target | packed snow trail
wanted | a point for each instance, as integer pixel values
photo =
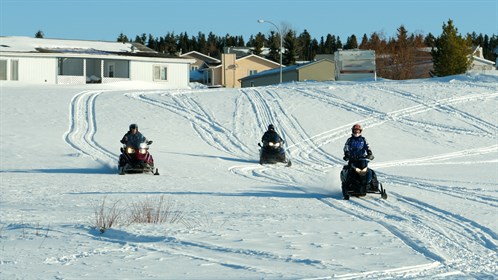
(83, 127)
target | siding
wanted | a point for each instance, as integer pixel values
(178, 74)
(34, 70)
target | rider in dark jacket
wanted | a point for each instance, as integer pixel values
(270, 134)
(133, 137)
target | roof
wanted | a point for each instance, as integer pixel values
(257, 57)
(15, 44)
(287, 68)
(201, 56)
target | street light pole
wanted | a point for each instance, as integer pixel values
(278, 29)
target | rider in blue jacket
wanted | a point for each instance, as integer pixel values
(356, 146)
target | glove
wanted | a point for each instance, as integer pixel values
(122, 141)
(370, 155)
(346, 156)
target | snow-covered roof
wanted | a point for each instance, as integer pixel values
(28, 45)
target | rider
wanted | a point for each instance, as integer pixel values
(356, 146)
(133, 137)
(271, 134)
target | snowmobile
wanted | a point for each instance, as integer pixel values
(272, 152)
(136, 159)
(358, 180)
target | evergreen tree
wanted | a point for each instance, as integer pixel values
(183, 43)
(170, 44)
(212, 45)
(351, 43)
(430, 40)
(291, 48)
(39, 34)
(304, 45)
(364, 42)
(338, 44)
(274, 45)
(330, 44)
(202, 42)
(122, 38)
(152, 43)
(451, 51)
(258, 44)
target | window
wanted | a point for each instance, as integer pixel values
(110, 70)
(252, 72)
(14, 70)
(3, 70)
(160, 73)
(194, 68)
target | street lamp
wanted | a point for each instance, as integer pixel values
(262, 21)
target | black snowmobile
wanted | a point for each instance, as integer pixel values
(359, 180)
(272, 152)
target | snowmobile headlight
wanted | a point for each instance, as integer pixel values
(130, 150)
(274, 145)
(361, 172)
(142, 150)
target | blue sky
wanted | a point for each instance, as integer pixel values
(106, 19)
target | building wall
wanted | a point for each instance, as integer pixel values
(43, 69)
(229, 69)
(33, 70)
(352, 65)
(323, 70)
(244, 66)
(178, 74)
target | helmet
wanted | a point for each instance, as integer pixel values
(133, 126)
(355, 127)
(271, 127)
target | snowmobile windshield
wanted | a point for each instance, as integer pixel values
(273, 140)
(136, 142)
(361, 163)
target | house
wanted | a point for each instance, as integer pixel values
(56, 61)
(228, 71)
(479, 63)
(200, 70)
(320, 70)
(355, 64)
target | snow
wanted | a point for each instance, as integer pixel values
(28, 44)
(435, 143)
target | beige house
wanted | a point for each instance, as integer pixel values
(228, 71)
(321, 70)
(232, 70)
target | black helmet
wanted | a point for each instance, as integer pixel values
(133, 126)
(271, 127)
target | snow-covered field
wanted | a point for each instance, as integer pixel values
(435, 143)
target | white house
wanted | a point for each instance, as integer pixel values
(55, 61)
(479, 63)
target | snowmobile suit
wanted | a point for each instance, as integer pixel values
(356, 147)
(133, 139)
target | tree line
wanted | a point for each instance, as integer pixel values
(396, 58)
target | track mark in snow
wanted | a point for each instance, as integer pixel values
(83, 127)
(209, 130)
